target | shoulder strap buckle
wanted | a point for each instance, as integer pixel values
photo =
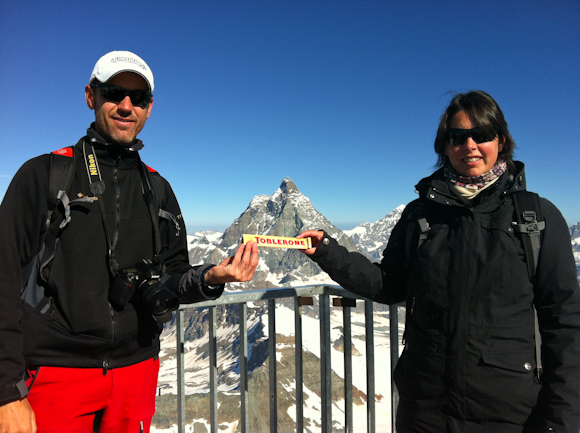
(531, 224)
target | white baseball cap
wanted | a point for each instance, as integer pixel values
(116, 62)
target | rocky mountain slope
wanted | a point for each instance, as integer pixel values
(371, 238)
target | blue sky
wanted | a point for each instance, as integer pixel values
(343, 97)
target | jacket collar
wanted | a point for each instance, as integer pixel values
(436, 188)
(108, 153)
(97, 139)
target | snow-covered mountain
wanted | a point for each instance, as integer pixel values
(575, 234)
(371, 238)
(287, 212)
(575, 231)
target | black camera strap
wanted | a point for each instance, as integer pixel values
(97, 187)
(149, 196)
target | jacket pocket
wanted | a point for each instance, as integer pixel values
(419, 373)
(518, 362)
(502, 387)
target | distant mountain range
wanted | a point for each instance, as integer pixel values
(575, 233)
(371, 238)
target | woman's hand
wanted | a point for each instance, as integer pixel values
(315, 237)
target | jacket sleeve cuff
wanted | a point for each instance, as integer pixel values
(212, 291)
(193, 288)
(15, 393)
(323, 246)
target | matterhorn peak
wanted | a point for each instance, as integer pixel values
(286, 213)
(288, 186)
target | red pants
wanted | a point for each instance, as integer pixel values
(66, 400)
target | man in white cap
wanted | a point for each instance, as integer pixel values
(115, 76)
(88, 281)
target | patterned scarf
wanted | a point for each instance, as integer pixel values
(476, 183)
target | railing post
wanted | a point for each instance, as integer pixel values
(347, 304)
(272, 364)
(325, 364)
(370, 349)
(213, 370)
(394, 340)
(244, 422)
(299, 301)
(180, 355)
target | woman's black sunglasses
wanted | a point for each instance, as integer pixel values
(139, 98)
(457, 137)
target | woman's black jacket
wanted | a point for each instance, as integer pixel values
(469, 358)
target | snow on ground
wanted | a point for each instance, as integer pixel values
(210, 235)
(311, 342)
(196, 364)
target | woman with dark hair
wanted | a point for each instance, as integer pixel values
(470, 362)
(486, 114)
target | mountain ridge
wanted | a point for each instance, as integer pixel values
(287, 212)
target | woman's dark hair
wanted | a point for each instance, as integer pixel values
(485, 113)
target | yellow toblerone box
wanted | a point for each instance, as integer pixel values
(278, 241)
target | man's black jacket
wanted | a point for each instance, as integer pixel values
(80, 328)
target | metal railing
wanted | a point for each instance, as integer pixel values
(301, 296)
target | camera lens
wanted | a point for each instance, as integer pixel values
(161, 301)
(143, 281)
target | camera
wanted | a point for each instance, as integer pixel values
(143, 281)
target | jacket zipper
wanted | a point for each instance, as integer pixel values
(118, 198)
(115, 237)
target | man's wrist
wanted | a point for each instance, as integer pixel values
(204, 282)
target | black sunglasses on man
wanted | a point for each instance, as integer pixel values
(139, 98)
